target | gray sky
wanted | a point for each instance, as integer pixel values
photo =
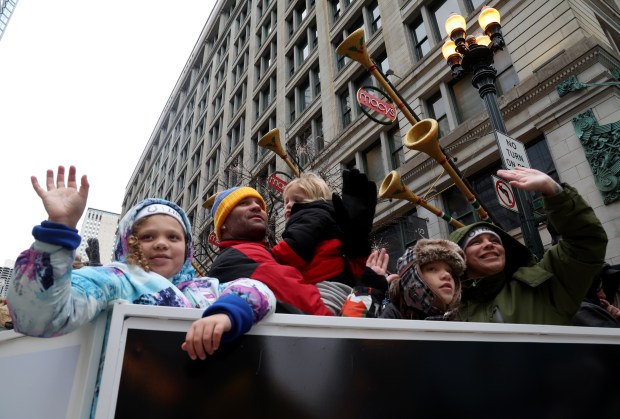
(83, 83)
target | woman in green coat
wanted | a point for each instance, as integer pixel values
(504, 283)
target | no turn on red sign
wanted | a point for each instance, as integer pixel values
(505, 194)
(512, 152)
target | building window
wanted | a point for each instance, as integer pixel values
(307, 143)
(345, 108)
(318, 129)
(335, 9)
(473, 4)
(315, 77)
(265, 97)
(303, 50)
(373, 162)
(440, 12)
(181, 182)
(421, 44)
(398, 235)
(234, 172)
(313, 36)
(215, 132)
(305, 96)
(290, 60)
(234, 136)
(506, 75)
(437, 110)
(340, 59)
(466, 98)
(291, 108)
(382, 61)
(197, 158)
(193, 189)
(375, 17)
(397, 155)
(213, 165)
(302, 147)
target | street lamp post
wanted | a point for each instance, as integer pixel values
(474, 54)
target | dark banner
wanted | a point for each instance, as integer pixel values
(303, 377)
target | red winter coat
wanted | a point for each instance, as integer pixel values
(250, 259)
(311, 243)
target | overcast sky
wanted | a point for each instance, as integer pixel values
(83, 82)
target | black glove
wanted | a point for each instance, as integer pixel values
(355, 212)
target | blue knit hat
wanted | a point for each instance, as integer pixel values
(227, 200)
(156, 206)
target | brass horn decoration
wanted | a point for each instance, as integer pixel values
(430, 146)
(393, 187)
(271, 141)
(208, 204)
(354, 47)
(422, 134)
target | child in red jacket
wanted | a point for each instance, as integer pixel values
(314, 241)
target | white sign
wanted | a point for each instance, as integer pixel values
(505, 194)
(512, 151)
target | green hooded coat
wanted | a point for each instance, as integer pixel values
(547, 292)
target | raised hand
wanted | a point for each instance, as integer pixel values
(355, 212)
(378, 261)
(530, 180)
(64, 203)
(204, 336)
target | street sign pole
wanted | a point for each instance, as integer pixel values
(513, 154)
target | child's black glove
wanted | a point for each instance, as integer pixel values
(355, 212)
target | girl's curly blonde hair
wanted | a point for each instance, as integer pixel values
(134, 252)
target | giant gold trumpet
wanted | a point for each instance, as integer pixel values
(423, 134)
(393, 187)
(271, 141)
(431, 147)
(354, 47)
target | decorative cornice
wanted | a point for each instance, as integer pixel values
(593, 56)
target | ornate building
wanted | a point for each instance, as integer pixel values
(261, 64)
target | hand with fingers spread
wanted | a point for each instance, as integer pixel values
(64, 202)
(204, 336)
(378, 262)
(530, 180)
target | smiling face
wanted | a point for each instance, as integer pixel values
(162, 242)
(438, 276)
(485, 256)
(292, 195)
(246, 221)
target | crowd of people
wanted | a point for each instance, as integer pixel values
(324, 264)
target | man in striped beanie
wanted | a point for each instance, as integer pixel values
(240, 224)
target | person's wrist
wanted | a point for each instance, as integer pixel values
(64, 221)
(553, 189)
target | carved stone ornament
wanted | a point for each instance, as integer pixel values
(602, 147)
(572, 84)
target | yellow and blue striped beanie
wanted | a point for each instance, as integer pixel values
(227, 200)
